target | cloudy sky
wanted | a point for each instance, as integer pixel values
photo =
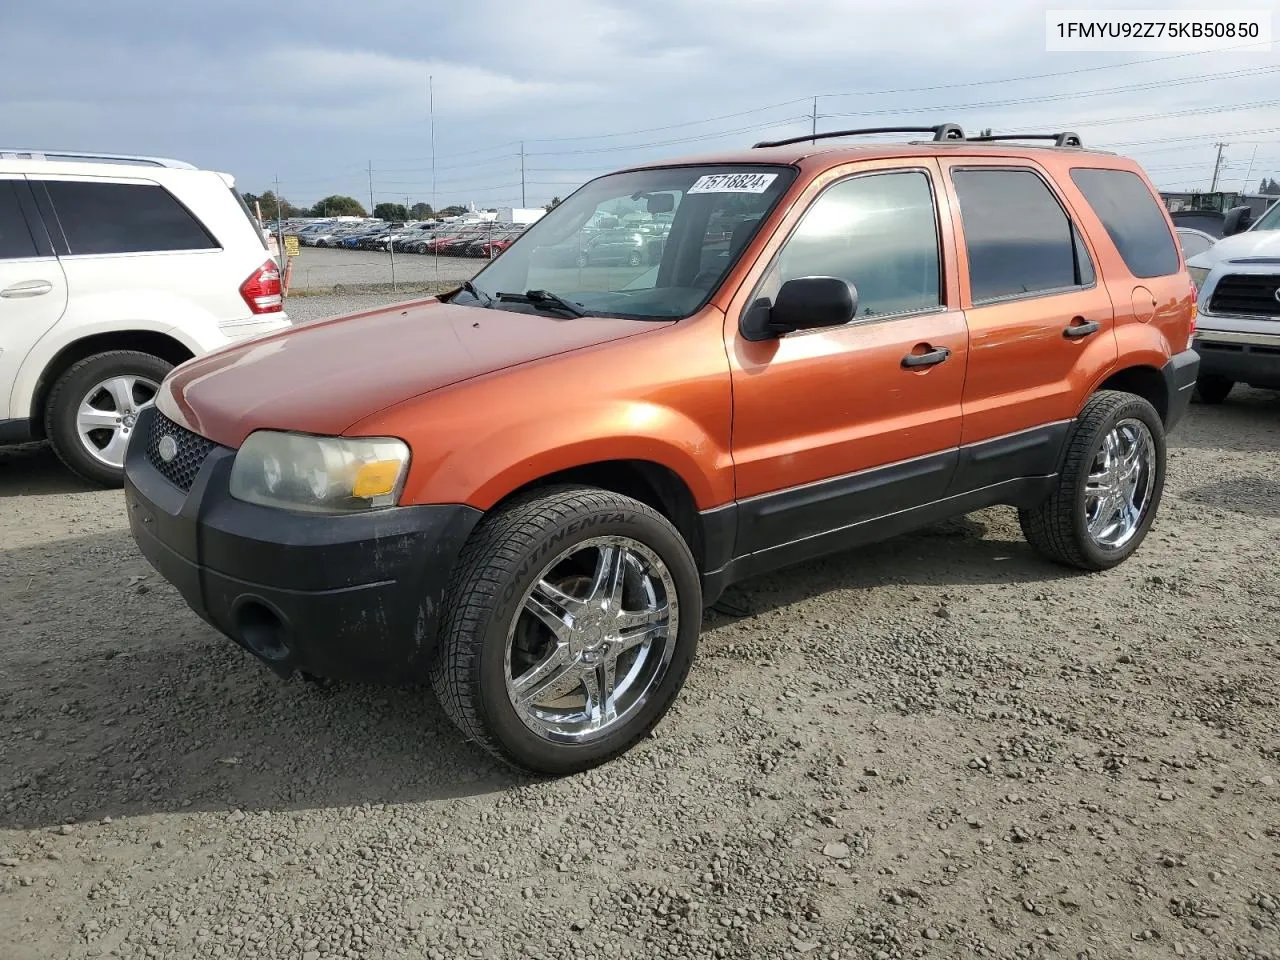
(315, 91)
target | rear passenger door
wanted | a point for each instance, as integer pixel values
(1041, 326)
(130, 248)
(33, 291)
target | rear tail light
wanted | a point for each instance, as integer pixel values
(262, 291)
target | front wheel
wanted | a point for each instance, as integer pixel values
(92, 409)
(1110, 487)
(570, 626)
(634, 259)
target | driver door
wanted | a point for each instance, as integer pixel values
(833, 427)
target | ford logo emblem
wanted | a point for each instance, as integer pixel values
(167, 448)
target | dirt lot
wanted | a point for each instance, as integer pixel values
(936, 747)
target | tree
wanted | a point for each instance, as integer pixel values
(986, 132)
(338, 206)
(267, 202)
(555, 202)
(1269, 187)
(391, 211)
(453, 211)
(421, 211)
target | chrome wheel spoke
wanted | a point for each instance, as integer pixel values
(113, 452)
(600, 680)
(91, 418)
(121, 390)
(554, 608)
(606, 584)
(636, 638)
(555, 675)
(630, 619)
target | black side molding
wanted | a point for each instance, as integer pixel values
(1179, 382)
(15, 431)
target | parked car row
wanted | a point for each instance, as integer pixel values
(463, 238)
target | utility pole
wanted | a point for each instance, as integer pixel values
(280, 254)
(371, 188)
(1217, 166)
(1244, 186)
(815, 120)
(523, 204)
(431, 106)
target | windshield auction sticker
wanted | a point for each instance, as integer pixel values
(733, 183)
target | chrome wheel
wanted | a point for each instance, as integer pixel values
(107, 414)
(1118, 489)
(592, 639)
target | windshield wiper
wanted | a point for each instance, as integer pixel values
(545, 299)
(476, 292)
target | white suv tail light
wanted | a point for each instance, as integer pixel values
(262, 291)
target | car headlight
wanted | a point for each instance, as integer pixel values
(319, 474)
(1198, 276)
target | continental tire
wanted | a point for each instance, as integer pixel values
(569, 628)
(1110, 487)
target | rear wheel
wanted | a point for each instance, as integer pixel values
(1213, 389)
(1110, 487)
(92, 409)
(635, 259)
(570, 627)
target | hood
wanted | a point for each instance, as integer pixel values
(323, 377)
(1261, 244)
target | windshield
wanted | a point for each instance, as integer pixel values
(1269, 220)
(649, 244)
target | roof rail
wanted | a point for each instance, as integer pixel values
(1064, 139)
(943, 131)
(73, 156)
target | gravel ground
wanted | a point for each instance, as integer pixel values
(939, 746)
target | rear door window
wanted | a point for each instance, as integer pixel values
(1018, 238)
(106, 218)
(15, 237)
(1133, 219)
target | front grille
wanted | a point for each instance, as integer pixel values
(192, 450)
(1247, 294)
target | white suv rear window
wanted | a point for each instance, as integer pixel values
(104, 218)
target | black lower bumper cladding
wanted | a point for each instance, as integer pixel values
(355, 596)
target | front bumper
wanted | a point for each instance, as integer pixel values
(1179, 374)
(354, 597)
(1252, 358)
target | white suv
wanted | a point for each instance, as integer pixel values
(1238, 333)
(113, 270)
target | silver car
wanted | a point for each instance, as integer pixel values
(1238, 330)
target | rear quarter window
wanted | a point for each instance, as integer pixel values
(1133, 219)
(97, 217)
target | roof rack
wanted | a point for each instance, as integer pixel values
(943, 131)
(1064, 139)
(8, 154)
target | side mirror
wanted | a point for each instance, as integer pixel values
(1236, 221)
(803, 303)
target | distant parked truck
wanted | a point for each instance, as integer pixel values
(519, 216)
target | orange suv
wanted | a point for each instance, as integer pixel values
(529, 489)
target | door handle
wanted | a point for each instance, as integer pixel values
(28, 288)
(929, 359)
(1080, 327)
